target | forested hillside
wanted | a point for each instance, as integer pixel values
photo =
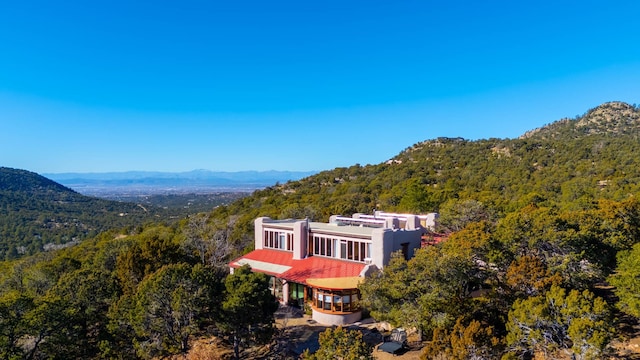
(37, 213)
(539, 226)
(570, 164)
(554, 212)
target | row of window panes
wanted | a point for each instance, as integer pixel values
(278, 240)
(336, 300)
(349, 249)
(323, 246)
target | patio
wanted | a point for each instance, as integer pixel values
(303, 333)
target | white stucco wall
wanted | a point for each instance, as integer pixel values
(407, 236)
(387, 241)
(300, 239)
(259, 233)
(382, 246)
(432, 221)
(335, 319)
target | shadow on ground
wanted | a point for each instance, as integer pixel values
(300, 333)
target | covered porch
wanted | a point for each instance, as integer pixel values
(329, 286)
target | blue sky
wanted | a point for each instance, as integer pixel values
(100, 86)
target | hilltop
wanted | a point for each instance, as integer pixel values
(612, 118)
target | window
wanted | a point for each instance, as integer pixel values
(296, 294)
(275, 287)
(278, 240)
(339, 248)
(323, 246)
(336, 300)
(355, 250)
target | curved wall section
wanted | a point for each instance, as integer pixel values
(336, 319)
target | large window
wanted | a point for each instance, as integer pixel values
(282, 240)
(347, 249)
(354, 250)
(323, 246)
(336, 300)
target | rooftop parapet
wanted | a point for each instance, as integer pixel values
(428, 221)
(354, 221)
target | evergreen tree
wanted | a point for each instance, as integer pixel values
(578, 322)
(169, 307)
(340, 344)
(248, 308)
(626, 279)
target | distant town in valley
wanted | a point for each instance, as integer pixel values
(132, 184)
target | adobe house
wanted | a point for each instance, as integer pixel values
(323, 263)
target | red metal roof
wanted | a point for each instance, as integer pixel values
(313, 267)
(433, 239)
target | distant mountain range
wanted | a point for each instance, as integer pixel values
(148, 182)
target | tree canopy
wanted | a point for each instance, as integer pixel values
(626, 279)
(340, 343)
(248, 308)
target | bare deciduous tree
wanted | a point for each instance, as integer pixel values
(208, 241)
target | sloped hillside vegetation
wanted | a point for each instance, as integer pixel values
(38, 214)
(564, 170)
(538, 228)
